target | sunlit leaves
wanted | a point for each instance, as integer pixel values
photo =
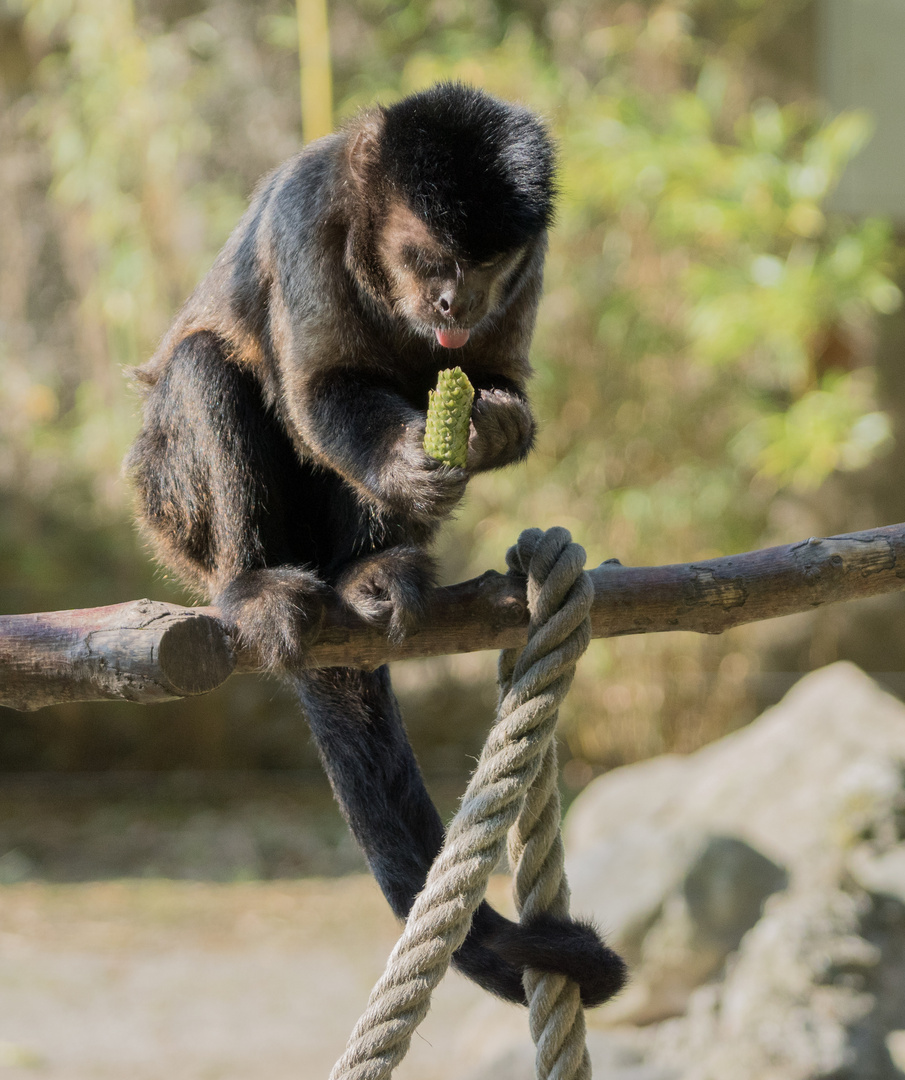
(113, 109)
(720, 250)
(828, 428)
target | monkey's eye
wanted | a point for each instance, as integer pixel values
(503, 264)
(426, 264)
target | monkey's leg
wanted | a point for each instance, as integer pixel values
(356, 724)
(224, 496)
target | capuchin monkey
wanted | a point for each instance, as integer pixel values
(281, 451)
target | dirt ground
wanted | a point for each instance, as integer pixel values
(202, 981)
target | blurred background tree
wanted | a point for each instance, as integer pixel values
(707, 355)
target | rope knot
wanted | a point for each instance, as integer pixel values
(560, 595)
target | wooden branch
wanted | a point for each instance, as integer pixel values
(141, 651)
(147, 651)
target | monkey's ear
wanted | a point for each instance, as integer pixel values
(364, 145)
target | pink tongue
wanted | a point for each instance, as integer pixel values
(452, 339)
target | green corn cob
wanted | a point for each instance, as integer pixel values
(448, 415)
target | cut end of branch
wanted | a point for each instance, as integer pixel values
(195, 656)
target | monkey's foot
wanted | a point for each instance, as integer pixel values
(390, 588)
(277, 610)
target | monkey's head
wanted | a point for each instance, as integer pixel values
(450, 191)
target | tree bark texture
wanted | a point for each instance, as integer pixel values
(148, 651)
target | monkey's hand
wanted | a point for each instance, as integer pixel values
(375, 441)
(277, 610)
(416, 485)
(502, 430)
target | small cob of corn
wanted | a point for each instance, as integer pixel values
(448, 416)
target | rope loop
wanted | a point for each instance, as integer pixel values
(512, 800)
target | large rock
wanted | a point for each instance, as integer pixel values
(817, 989)
(674, 903)
(758, 889)
(800, 784)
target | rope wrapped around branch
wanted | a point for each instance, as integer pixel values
(513, 792)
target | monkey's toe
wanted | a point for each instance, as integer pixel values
(380, 607)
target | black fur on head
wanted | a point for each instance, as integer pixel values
(478, 171)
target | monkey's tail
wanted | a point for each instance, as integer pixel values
(355, 721)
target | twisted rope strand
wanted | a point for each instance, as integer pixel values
(513, 788)
(557, 588)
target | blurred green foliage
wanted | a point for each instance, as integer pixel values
(705, 344)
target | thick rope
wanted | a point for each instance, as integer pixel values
(536, 853)
(513, 787)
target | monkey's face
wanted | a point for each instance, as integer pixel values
(436, 292)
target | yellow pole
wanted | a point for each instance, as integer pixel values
(314, 63)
